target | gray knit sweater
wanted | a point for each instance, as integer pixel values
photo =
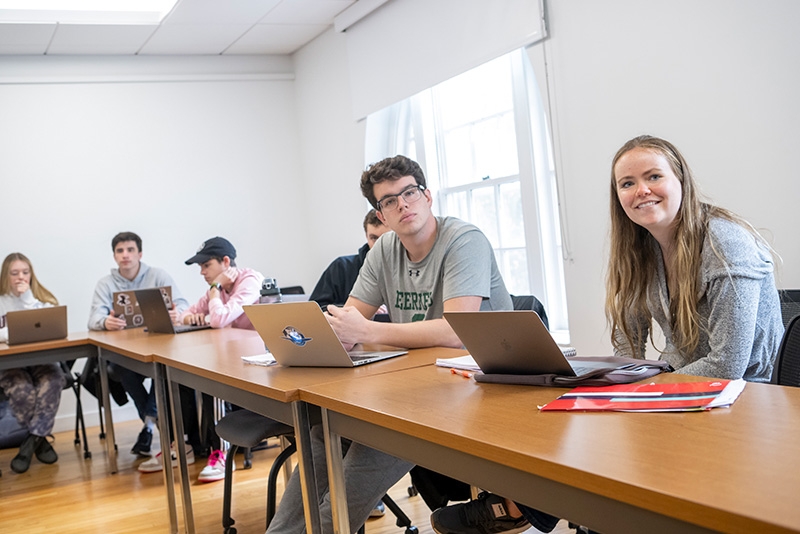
(738, 305)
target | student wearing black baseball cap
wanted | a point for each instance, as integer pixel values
(229, 289)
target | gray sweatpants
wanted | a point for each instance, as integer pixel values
(34, 394)
(368, 476)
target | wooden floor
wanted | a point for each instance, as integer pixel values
(78, 496)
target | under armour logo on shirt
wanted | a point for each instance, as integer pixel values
(413, 272)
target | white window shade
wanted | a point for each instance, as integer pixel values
(406, 46)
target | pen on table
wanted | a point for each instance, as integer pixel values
(465, 374)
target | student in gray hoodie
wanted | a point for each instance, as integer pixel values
(132, 274)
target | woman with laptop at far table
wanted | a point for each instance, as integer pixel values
(34, 392)
(701, 272)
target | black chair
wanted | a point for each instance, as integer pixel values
(787, 365)
(293, 290)
(529, 302)
(246, 429)
(790, 304)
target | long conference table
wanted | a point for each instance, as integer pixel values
(725, 470)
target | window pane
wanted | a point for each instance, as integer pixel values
(484, 213)
(456, 206)
(512, 230)
(514, 268)
(486, 149)
(476, 94)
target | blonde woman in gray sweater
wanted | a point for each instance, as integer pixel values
(703, 273)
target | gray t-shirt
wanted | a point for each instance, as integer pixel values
(460, 264)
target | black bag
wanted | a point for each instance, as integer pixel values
(12, 434)
(90, 381)
(438, 490)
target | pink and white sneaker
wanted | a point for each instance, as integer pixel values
(215, 468)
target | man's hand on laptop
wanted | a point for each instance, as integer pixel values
(350, 326)
(114, 323)
(174, 315)
(195, 319)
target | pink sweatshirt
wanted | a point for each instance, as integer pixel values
(227, 309)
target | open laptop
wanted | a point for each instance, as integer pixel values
(156, 314)
(40, 324)
(298, 335)
(513, 343)
(126, 306)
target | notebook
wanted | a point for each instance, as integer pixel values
(156, 315)
(513, 343)
(126, 306)
(298, 335)
(40, 324)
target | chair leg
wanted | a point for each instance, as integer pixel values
(79, 421)
(227, 520)
(248, 458)
(100, 413)
(272, 480)
(403, 520)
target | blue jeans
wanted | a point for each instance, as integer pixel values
(133, 383)
(368, 476)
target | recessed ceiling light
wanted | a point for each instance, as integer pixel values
(85, 11)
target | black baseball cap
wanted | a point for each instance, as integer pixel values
(216, 247)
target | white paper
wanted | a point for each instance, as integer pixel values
(466, 363)
(260, 359)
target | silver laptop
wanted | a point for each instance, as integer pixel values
(513, 343)
(40, 324)
(298, 335)
(156, 314)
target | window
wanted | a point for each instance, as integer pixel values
(482, 140)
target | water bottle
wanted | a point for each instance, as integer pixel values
(270, 292)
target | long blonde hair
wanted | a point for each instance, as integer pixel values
(632, 259)
(39, 291)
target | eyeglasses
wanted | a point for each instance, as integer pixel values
(410, 195)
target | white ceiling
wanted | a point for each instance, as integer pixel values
(194, 27)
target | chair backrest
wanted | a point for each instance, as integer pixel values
(787, 365)
(529, 302)
(790, 304)
(293, 290)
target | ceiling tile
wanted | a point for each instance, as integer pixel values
(193, 38)
(306, 11)
(99, 39)
(25, 38)
(219, 12)
(276, 39)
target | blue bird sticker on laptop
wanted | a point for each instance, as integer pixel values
(290, 333)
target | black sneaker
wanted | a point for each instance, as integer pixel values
(142, 445)
(485, 515)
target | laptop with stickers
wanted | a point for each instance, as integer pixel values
(126, 306)
(513, 343)
(40, 324)
(298, 335)
(156, 314)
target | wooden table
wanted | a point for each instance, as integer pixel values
(727, 470)
(218, 369)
